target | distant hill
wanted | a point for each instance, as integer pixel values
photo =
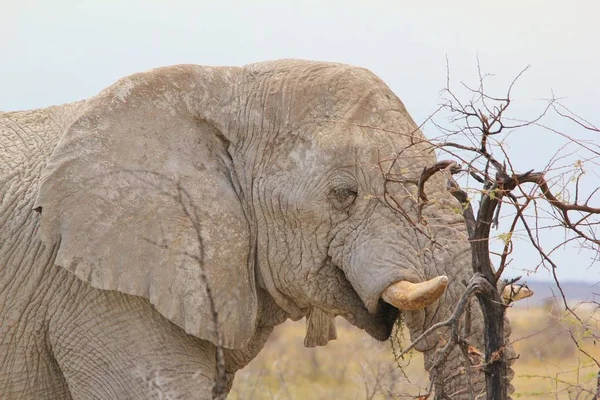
(574, 291)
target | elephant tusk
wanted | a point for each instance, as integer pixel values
(515, 292)
(405, 295)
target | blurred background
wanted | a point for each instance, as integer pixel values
(61, 51)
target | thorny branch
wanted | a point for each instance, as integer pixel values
(178, 193)
(450, 166)
(478, 121)
(477, 284)
(499, 181)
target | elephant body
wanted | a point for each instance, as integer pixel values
(54, 326)
(189, 207)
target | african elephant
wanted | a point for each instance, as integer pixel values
(192, 208)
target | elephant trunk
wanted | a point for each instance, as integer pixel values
(397, 266)
(453, 378)
(380, 266)
(461, 375)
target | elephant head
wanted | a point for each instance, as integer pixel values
(196, 187)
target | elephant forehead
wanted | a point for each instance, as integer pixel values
(331, 114)
(298, 94)
(368, 147)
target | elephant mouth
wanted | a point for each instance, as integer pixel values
(382, 322)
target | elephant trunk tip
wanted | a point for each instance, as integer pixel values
(406, 295)
(515, 292)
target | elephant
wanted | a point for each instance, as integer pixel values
(156, 233)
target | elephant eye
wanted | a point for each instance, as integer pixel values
(344, 197)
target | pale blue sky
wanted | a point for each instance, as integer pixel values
(59, 51)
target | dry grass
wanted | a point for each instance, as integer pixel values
(354, 366)
(550, 364)
(358, 367)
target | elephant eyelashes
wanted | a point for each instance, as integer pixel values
(344, 197)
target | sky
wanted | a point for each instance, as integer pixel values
(61, 51)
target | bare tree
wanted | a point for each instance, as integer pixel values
(494, 193)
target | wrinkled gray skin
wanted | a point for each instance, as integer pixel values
(269, 172)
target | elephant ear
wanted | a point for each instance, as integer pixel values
(141, 197)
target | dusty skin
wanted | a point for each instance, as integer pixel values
(130, 220)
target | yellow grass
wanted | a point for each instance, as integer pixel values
(550, 364)
(356, 366)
